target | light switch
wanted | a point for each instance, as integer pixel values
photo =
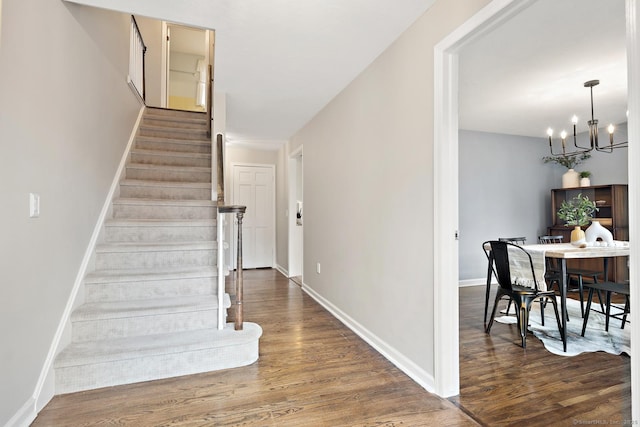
(34, 205)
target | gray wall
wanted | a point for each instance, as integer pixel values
(66, 113)
(505, 189)
(368, 193)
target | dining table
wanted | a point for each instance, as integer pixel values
(567, 251)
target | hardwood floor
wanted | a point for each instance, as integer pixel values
(313, 371)
(502, 384)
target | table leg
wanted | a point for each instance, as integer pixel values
(563, 301)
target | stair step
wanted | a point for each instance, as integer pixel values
(154, 255)
(94, 364)
(172, 132)
(171, 113)
(170, 158)
(173, 144)
(120, 319)
(198, 123)
(143, 189)
(163, 209)
(142, 171)
(135, 284)
(158, 230)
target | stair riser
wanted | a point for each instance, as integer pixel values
(169, 145)
(198, 125)
(172, 233)
(86, 377)
(105, 292)
(163, 132)
(168, 160)
(169, 193)
(88, 330)
(130, 211)
(176, 258)
(168, 174)
(175, 114)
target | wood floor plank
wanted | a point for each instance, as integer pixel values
(313, 371)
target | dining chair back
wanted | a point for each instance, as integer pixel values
(544, 240)
(508, 261)
(515, 240)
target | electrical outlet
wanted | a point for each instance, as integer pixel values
(34, 205)
(318, 268)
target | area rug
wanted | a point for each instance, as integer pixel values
(616, 341)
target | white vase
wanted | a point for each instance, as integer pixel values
(570, 179)
(597, 230)
(585, 182)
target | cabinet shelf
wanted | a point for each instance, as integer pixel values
(612, 202)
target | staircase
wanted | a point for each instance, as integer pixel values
(150, 304)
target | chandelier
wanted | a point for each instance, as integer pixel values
(593, 134)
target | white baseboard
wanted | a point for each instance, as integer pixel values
(415, 372)
(25, 415)
(45, 387)
(474, 282)
(282, 270)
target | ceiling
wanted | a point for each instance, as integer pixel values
(529, 73)
(281, 61)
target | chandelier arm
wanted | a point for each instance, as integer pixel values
(565, 154)
(575, 141)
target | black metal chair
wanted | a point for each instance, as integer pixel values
(516, 241)
(523, 296)
(608, 288)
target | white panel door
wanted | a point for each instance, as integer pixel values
(253, 188)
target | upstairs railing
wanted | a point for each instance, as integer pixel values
(220, 220)
(137, 51)
(210, 100)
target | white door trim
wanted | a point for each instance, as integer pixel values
(291, 247)
(445, 275)
(232, 227)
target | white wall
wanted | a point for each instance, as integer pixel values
(368, 194)
(505, 189)
(66, 113)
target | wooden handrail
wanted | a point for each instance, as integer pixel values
(220, 168)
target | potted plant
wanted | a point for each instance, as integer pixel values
(577, 212)
(570, 161)
(585, 180)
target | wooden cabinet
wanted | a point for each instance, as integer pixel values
(613, 213)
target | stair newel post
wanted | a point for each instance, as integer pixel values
(239, 278)
(239, 211)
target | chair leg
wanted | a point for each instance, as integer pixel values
(523, 323)
(586, 312)
(606, 321)
(627, 307)
(542, 304)
(493, 312)
(580, 290)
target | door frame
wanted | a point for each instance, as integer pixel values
(233, 228)
(293, 191)
(445, 187)
(208, 50)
